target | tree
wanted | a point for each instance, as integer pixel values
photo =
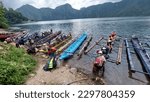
(3, 20)
(14, 17)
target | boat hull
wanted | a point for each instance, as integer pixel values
(73, 47)
(143, 55)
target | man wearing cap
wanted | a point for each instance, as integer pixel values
(99, 63)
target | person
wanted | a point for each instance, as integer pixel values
(99, 63)
(51, 31)
(51, 51)
(105, 51)
(109, 43)
(52, 63)
(113, 35)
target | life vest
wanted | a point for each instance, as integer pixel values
(51, 62)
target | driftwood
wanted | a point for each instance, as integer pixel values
(77, 81)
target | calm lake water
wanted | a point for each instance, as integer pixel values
(124, 26)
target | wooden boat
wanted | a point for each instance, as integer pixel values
(57, 46)
(61, 49)
(129, 57)
(148, 44)
(4, 36)
(84, 47)
(92, 46)
(73, 47)
(47, 38)
(143, 55)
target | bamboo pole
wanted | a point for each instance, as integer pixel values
(96, 43)
(119, 56)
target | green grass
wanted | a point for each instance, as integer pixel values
(15, 65)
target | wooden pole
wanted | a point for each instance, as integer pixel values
(96, 43)
(119, 53)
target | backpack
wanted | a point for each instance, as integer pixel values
(98, 62)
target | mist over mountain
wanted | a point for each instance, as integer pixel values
(118, 9)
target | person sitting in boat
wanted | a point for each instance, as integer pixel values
(99, 63)
(109, 43)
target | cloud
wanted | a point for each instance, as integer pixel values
(77, 4)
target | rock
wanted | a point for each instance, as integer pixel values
(5, 42)
(43, 82)
(73, 70)
(1, 48)
(32, 75)
(67, 66)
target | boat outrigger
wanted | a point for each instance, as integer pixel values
(143, 55)
(73, 47)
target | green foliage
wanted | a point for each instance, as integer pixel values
(14, 16)
(15, 65)
(3, 20)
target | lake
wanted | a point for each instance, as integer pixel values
(124, 26)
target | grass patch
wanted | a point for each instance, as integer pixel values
(15, 65)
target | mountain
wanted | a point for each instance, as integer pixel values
(30, 12)
(118, 9)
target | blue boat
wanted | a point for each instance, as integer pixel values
(143, 55)
(73, 47)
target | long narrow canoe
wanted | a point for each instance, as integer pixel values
(84, 47)
(129, 57)
(61, 49)
(47, 38)
(143, 55)
(148, 44)
(73, 47)
(96, 43)
(57, 46)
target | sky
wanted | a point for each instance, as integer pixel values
(77, 4)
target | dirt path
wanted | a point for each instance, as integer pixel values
(59, 76)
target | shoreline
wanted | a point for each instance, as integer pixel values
(62, 75)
